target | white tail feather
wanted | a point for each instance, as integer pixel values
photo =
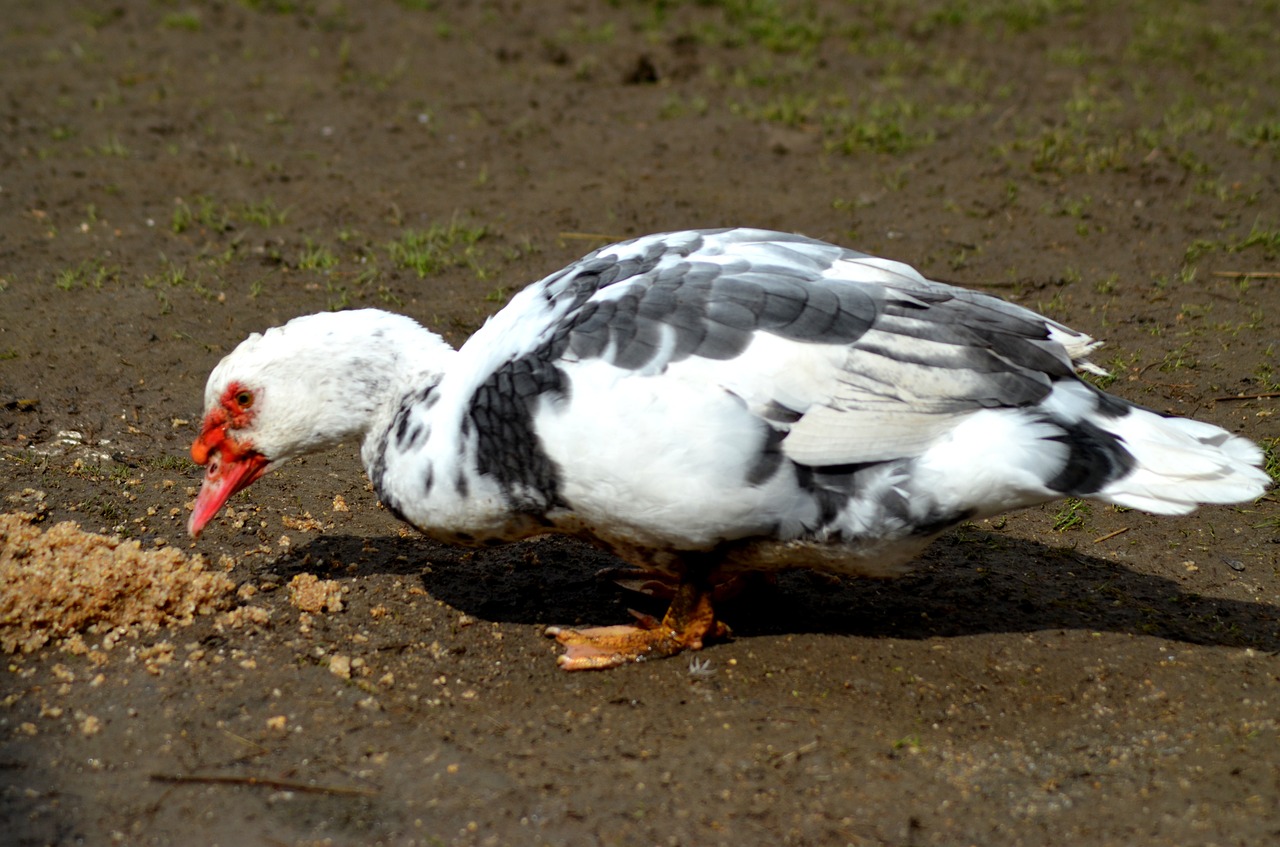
(1182, 463)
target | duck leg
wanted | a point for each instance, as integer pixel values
(663, 586)
(688, 622)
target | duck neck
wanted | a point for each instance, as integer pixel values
(371, 361)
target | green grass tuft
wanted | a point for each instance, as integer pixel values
(1072, 515)
(316, 257)
(263, 213)
(202, 211)
(437, 248)
(91, 273)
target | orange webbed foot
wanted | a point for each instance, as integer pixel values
(688, 623)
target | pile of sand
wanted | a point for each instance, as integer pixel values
(65, 581)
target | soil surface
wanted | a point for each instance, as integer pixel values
(176, 175)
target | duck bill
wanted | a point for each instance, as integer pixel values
(224, 476)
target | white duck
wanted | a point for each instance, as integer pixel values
(706, 403)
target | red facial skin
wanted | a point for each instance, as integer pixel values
(232, 465)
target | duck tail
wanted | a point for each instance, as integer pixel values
(1157, 463)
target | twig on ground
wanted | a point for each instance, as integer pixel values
(795, 754)
(1266, 395)
(265, 782)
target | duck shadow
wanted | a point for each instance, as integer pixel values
(982, 583)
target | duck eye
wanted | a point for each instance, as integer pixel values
(244, 399)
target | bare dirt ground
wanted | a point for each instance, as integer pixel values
(175, 175)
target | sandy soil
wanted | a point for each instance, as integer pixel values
(176, 175)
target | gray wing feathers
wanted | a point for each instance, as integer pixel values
(713, 310)
(918, 371)
(918, 354)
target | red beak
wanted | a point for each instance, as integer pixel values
(230, 467)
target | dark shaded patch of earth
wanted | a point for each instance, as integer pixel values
(175, 176)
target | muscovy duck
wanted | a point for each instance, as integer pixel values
(708, 403)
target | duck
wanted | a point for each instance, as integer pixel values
(709, 404)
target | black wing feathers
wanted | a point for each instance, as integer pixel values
(502, 414)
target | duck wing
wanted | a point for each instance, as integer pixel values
(856, 358)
